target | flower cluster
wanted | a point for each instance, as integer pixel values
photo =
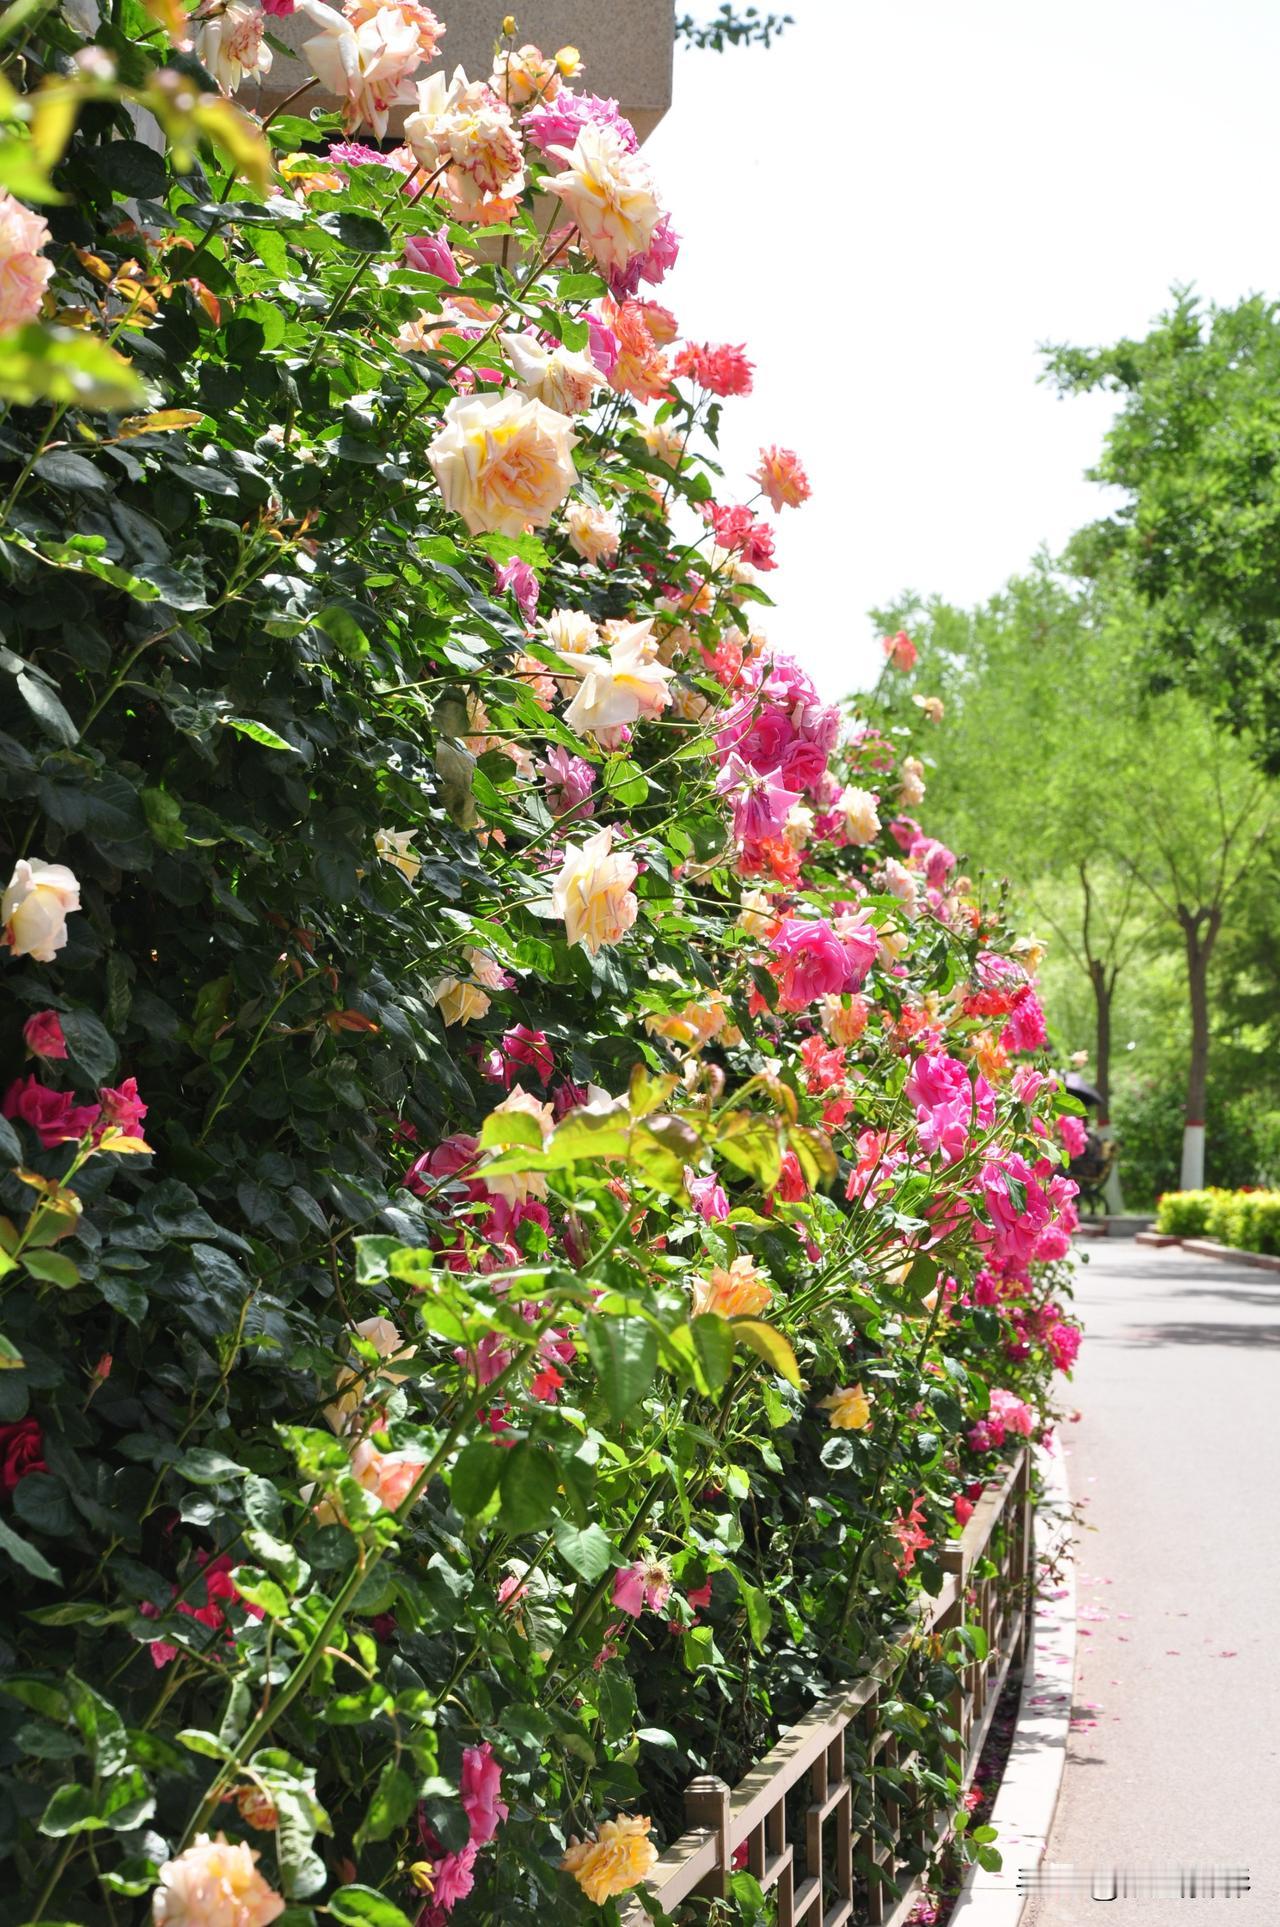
(597, 1218)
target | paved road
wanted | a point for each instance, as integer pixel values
(1174, 1758)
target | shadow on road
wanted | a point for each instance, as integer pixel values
(1205, 1332)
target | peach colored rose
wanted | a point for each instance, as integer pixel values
(458, 1001)
(844, 1019)
(214, 1884)
(516, 1186)
(503, 463)
(912, 784)
(24, 268)
(663, 443)
(594, 533)
(593, 892)
(736, 1292)
(230, 45)
(35, 908)
(393, 847)
(617, 1859)
(609, 193)
(369, 65)
(389, 1476)
(461, 124)
(564, 380)
(933, 707)
(526, 74)
(424, 23)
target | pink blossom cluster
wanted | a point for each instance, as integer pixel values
(453, 1874)
(950, 1105)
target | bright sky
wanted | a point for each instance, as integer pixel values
(895, 205)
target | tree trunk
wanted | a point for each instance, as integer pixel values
(1199, 932)
(1104, 990)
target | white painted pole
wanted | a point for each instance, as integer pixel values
(1193, 1157)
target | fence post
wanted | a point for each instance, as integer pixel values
(706, 1805)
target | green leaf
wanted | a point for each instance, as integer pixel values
(63, 365)
(205, 1467)
(713, 1342)
(207, 1744)
(394, 1799)
(359, 232)
(624, 1351)
(528, 1486)
(259, 733)
(362, 1907)
(48, 709)
(588, 1550)
(101, 1726)
(63, 468)
(768, 1343)
(91, 1045)
(474, 1478)
(51, 1268)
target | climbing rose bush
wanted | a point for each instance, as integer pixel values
(531, 1211)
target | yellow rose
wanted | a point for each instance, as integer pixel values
(850, 1409)
(504, 463)
(563, 379)
(615, 1861)
(593, 892)
(457, 1001)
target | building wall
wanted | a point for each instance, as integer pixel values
(626, 48)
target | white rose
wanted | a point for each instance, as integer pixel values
(35, 908)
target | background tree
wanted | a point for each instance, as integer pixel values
(1106, 804)
(1196, 448)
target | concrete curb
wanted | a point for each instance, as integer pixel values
(1028, 1796)
(1206, 1248)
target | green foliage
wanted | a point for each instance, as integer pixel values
(1195, 447)
(348, 1392)
(1245, 1220)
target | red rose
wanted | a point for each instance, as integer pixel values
(21, 1451)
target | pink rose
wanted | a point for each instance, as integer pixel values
(481, 1784)
(123, 1108)
(803, 765)
(43, 1036)
(424, 253)
(53, 1115)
